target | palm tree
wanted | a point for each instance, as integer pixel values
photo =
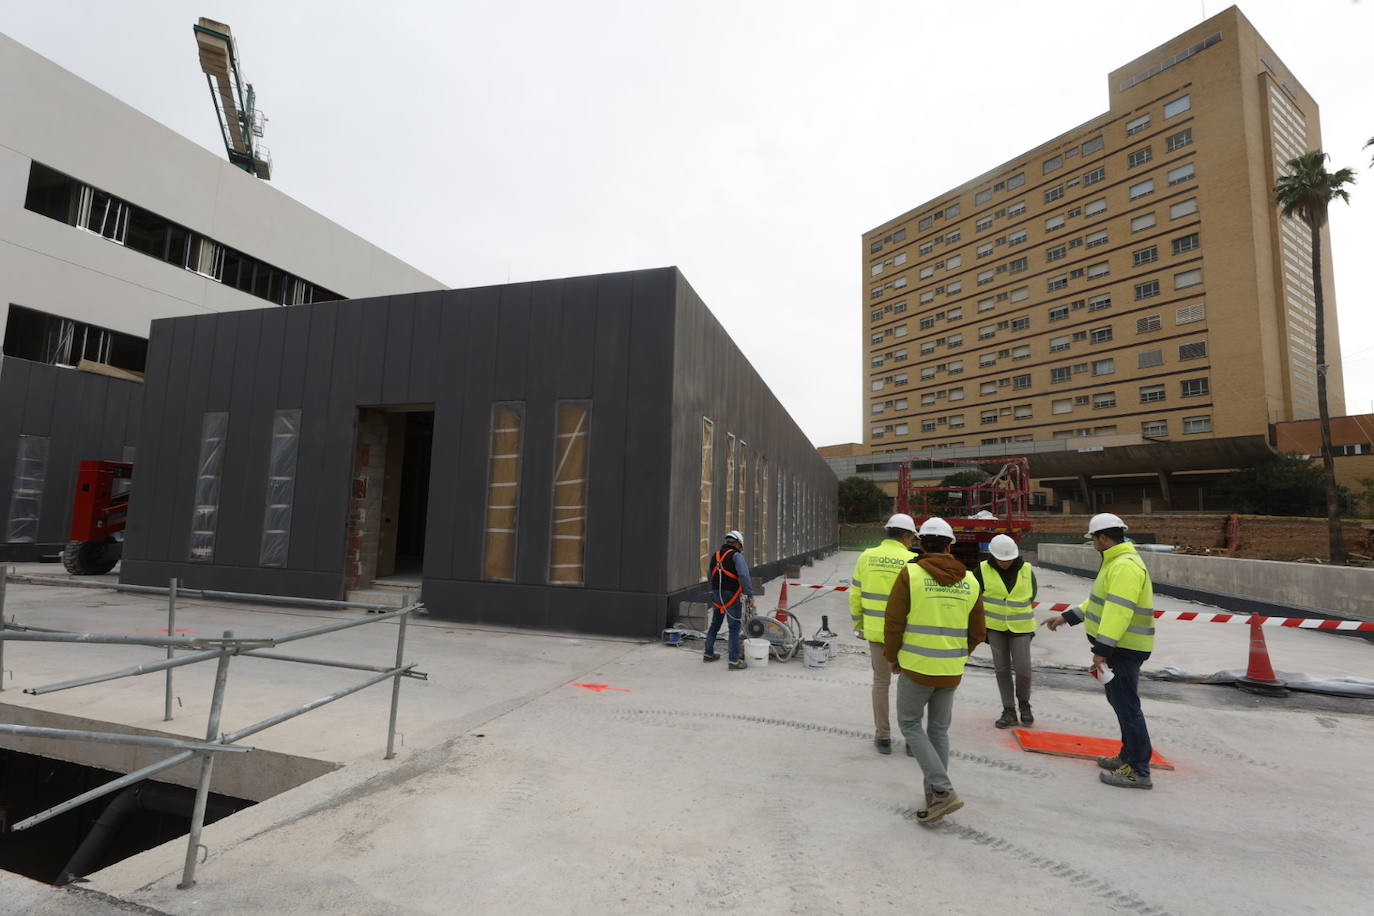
(1305, 192)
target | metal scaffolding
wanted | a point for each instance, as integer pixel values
(222, 650)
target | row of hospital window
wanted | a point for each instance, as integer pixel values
(65, 199)
(1139, 124)
(57, 341)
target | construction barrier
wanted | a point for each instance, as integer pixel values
(1303, 623)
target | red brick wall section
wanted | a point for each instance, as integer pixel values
(365, 499)
(1264, 537)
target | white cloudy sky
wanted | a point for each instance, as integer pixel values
(749, 142)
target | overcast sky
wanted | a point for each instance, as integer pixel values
(749, 143)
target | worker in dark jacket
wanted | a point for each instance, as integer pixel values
(731, 593)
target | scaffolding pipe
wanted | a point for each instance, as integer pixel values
(342, 625)
(134, 671)
(396, 689)
(171, 631)
(313, 704)
(113, 785)
(207, 765)
(76, 734)
(306, 660)
(197, 592)
(181, 642)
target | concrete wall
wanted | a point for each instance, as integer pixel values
(1338, 591)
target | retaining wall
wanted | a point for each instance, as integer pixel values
(1263, 586)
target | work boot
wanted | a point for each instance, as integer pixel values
(884, 745)
(1008, 718)
(909, 751)
(710, 656)
(1125, 777)
(941, 803)
(1027, 717)
(930, 796)
(738, 665)
(1110, 763)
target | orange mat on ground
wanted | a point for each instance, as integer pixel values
(1038, 742)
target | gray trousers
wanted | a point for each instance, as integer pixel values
(1011, 651)
(882, 691)
(931, 744)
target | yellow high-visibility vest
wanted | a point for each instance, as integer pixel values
(1009, 612)
(936, 638)
(874, 573)
(1120, 610)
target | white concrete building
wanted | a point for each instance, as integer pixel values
(109, 220)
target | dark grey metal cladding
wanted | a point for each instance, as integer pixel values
(84, 415)
(712, 379)
(607, 338)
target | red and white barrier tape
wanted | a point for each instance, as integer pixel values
(1302, 623)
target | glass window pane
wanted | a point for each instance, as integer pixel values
(503, 492)
(568, 521)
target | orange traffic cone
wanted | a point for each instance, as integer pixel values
(781, 612)
(1259, 674)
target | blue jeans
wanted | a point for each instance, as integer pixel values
(733, 615)
(1122, 693)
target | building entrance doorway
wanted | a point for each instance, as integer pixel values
(389, 495)
(405, 494)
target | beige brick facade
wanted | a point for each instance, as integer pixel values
(1128, 280)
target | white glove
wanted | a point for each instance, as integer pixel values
(858, 633)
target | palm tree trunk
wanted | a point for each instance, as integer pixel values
(1333, 509)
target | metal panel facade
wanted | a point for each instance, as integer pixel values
(608, 340)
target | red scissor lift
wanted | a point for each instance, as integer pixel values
(1005, 496)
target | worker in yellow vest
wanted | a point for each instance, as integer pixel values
(874, 573)
(1009, 588)
(1121, 630)
(934, 619)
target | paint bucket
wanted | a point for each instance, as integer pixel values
(815, 653)
(756, 651)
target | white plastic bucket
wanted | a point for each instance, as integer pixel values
(815, 653)
(756, 651)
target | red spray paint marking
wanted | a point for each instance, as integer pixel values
(602, 687)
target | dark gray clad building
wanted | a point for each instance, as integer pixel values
(562, 454)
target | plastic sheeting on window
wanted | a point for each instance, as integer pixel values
(30, 473)
(281, 485)
(205, 513)
(503, 492)
(568, 524)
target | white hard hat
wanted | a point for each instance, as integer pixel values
(1102, 521)
(735, 536)
(903, 521)
(936, 527)
(1003, 547)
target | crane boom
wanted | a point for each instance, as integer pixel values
(239, 120)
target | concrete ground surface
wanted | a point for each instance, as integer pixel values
(686, 787)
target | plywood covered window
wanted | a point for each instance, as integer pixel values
(503, 491)
(742, 480)
(281, 486)
(568, 521)
(26, 497)
(729, 481)
(209, 469)
(707, 474)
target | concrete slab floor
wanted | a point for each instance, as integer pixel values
(696, 788)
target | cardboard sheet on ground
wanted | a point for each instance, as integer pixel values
(1062, 745)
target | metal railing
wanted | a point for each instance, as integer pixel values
(222, 649)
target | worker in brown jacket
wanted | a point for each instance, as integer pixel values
(934, 619)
